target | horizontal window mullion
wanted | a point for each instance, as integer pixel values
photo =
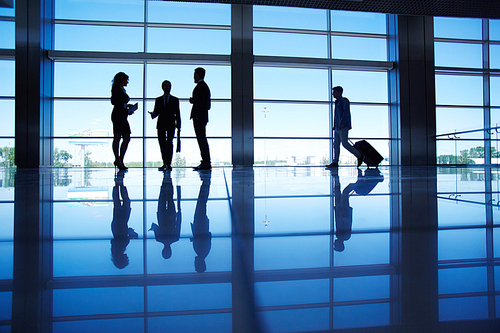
(187, 26)
(320, 32)
(466, 41)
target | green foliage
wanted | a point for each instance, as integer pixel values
(61, 158)
(7, 154)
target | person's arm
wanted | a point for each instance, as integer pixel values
(177, 114)
(156, 110)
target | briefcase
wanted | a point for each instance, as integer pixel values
(371, 156)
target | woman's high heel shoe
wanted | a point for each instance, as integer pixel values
(120, 166)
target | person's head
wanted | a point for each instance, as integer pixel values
(120, 79)
(337, 92)
(199, 74)
(166, 253)
(166, 86)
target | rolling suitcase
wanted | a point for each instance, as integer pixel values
(370, 156)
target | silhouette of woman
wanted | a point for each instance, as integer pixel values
(121, 127)
(119, 226)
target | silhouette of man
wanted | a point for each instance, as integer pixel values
(168, 229)
(169, 118)
(341, 127)
(343, 213)
(199, 114)
(119, 226)
(202, 238)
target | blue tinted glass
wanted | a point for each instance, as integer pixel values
(8, 40)
(7, 116)
(290, 45)
(306, 120)
(291, 252)
(495, 90)
(359, 48)
(462, 28)
(7, 83)
(98, 38)
(362, 287)
(201, 41)
(6, 308)
(369, 121)
(111, 10)
(459, 90)
(288, 17)
(217, 77)
(188, 13)
(89, 301)
(358, 22)
(297, 320)
(362, 86)
(214, 322)
(7, 262)
(94, 79)
(494, 29)
(292, 292)
(6, 11)
(451, 244)
(462, 280)
(463, 308)
(458, 55)
(359, 250)
(291, 83)
(189, 297)
(103, 325)
(449, 120)
(291, 151)
(364, 315)
(494, 56)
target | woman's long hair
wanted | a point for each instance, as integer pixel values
(119, 79)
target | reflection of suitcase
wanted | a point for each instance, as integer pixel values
(370, 156)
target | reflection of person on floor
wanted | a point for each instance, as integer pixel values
(343, 213)
(119, 226)
(202, 238)
(168, 229)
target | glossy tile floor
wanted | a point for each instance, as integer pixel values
(286, 249)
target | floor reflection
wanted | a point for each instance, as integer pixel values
(278, 249)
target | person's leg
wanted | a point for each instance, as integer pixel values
(116, 146)
(344, 138)
(169, 147)
(201, 137)
(336, 146)
(123, 147)
(162, 142)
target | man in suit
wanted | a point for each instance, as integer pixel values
(169, 118)
(341, 127)
(199, 114)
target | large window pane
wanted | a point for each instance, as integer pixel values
(495, 90)
(7, 83)
(288, 17)
(123, 10)
(290, 45)
(460, 152)
(8, 39)
(359, 48)
(369, 121)
(362, 86)
(201, 41)
(291, 152)
(94, 79)
(188, 13)
(450, 120)
(459, 90)
(291, 120)
(462, 28)
(290, 83)
(98, 38)
(458, 55)
(359, 22)
(7, 116)
(218, 79)
(494, 30)
(494, 56)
